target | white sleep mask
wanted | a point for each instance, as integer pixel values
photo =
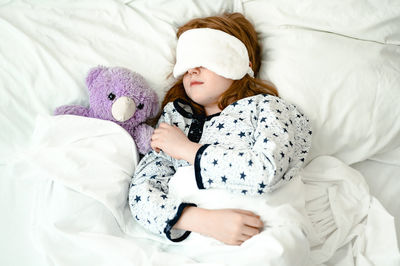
(215, 50)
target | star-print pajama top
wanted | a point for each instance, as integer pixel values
(252, 147)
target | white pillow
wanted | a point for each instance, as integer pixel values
(375, 20)
(178, 12)
(348, 88)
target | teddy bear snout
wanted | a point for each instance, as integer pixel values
(123, 109)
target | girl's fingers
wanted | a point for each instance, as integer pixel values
(157, 131)
(253, 221)
(242, 239)
(164, 125)
(160, 132)
(250, 218)
(246, 212)
(156, 149)
(249, 231)
(157, 134)
(154, 144)
(240, 242)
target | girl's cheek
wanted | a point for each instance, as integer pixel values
(185, 80)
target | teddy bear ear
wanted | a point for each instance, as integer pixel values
(155, 105)
(93, 74)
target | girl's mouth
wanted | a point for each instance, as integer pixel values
(193, 83)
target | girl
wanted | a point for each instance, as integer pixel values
(229, 125)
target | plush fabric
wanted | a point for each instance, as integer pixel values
(122, 96)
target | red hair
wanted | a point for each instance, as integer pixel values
(238, 26)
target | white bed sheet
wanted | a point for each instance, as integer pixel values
(19, 198)
(16, 205)
(47, 47)
(383, 178)
(81, 209)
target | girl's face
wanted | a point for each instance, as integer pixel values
(205, 87)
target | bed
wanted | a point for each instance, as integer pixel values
(339, 62)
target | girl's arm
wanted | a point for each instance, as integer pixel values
(281, 141)
(230, 226)
(150, 203)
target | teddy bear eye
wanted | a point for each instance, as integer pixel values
(111, 96)
(140, 106)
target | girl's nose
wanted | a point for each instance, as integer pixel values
(195, 70)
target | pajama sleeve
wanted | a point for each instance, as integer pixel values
(281, 140)
(150, 203)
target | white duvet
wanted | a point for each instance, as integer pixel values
(83, 166)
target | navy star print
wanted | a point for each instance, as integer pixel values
(220, 126)
(242, 175)
(270, 133)
(252, 147)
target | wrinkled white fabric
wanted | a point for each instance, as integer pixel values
(283, 240)
(81, 215)
(92, 156)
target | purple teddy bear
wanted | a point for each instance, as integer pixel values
(122, 96)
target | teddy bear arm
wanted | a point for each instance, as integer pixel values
(72, 110)
(142, 137)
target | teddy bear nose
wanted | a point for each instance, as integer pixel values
(123, 109)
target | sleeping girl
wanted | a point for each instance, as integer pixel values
(226, 131)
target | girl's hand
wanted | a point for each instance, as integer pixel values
(172, 141)
(230, 226)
